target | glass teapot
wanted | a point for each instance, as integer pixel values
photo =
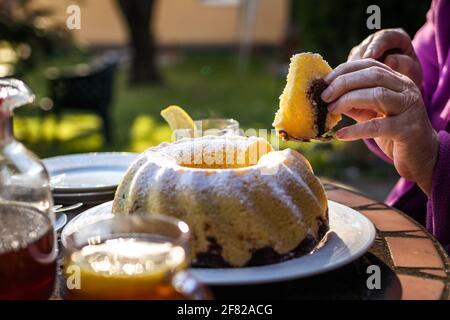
(23, 178)
(27, 236)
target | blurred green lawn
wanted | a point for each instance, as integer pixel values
(206, 86)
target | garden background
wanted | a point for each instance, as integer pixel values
(205, 68)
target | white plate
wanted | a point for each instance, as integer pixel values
(89, 195)
(90, 200)
(84, 195)
(60, 221)
(93, 198)
(351, 235)
(88, 172)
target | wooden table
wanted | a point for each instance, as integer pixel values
(413, 264)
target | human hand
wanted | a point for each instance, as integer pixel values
(394, 48)
(388, 107)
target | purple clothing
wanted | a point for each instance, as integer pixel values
(432, 46)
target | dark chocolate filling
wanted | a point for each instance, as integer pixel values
(264, 256)
(315, 90)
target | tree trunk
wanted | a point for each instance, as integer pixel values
(138, 14)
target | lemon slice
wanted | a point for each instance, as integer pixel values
(177, 118)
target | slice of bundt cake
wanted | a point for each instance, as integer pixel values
(303, 115)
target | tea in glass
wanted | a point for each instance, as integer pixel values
(126, 257)
(27, 253)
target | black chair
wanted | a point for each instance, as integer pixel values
(85, 87)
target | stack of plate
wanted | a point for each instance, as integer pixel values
(90, 178)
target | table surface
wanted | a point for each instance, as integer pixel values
(413, 264)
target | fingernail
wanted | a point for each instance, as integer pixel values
(331, 108)
(340, 133)
(326, 94)
(368, 53)
(328, 77)
(391, 62)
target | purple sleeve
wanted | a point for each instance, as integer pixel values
(372, 145)
(438, 213)
(424, 44)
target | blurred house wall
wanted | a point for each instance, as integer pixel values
(177, 22)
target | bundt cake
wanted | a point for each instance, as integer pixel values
(302, 114)
(245, 203)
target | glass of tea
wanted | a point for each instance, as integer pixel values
(129, 257)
